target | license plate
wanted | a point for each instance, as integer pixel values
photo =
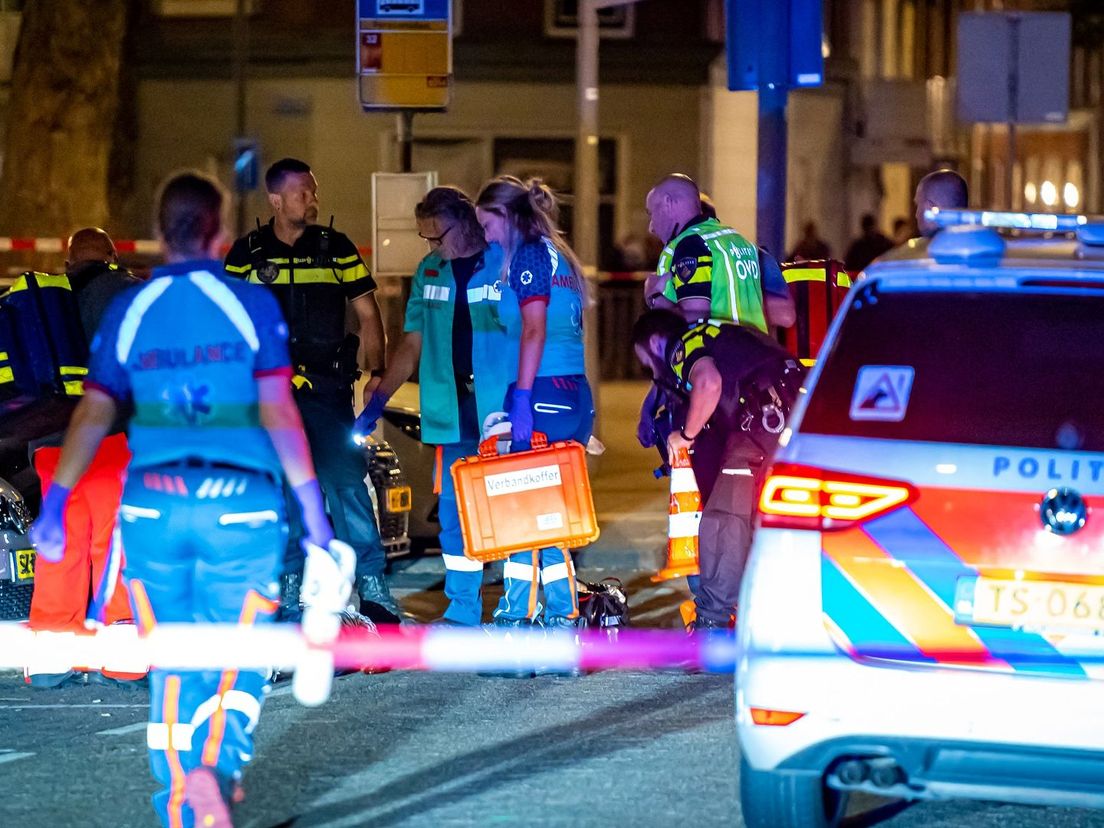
(1034, 604)
(24, 564)
(398, 499)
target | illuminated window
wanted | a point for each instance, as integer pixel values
(561, 19)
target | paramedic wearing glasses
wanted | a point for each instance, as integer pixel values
(542, 309)
(453, 337)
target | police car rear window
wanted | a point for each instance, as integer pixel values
(1003, 368)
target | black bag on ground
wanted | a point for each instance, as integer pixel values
(603, 606)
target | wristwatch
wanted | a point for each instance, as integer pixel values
(686, 436)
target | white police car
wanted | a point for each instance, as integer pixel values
(923, 610)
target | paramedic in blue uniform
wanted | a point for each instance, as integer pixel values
(453, 337)
(543, 297)
(203, 359)
(318, 277)
(736, 386)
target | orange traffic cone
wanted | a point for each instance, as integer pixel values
(684, 515)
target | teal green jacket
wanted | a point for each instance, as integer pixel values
(429, 311)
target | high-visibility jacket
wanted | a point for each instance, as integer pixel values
(709, 260)
(312, 280)
(43, 349)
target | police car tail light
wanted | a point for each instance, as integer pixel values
(802, 497)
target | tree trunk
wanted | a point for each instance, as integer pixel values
(64, 100)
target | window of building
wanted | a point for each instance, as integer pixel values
(561, 19)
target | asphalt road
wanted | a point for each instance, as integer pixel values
(414, 749)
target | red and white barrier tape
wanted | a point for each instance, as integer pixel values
(143, 247)
(426, 648)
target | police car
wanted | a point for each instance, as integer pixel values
(922, 614)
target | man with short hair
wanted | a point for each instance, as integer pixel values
(62, 590)
(944, 189)
(316, 273)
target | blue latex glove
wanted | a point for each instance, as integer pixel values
(521, 415)
(365, 422)
(315, 520)
(48, 532)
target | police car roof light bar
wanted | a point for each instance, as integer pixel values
(1009, 220)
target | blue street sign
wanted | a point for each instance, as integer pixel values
(749, 51)
(247, 165)
(403, 9)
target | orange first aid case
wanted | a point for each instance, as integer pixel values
(513, 502)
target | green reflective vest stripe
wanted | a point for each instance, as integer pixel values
(736, 290)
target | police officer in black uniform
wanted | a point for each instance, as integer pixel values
(736, 386)
(315, 272)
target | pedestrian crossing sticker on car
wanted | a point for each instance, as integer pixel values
(882, 393)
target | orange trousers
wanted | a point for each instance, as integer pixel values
(62, 590)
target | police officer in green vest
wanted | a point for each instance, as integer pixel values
(453, 337)
(707, 270)
(316, 274)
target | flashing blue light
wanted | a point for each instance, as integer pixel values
(1017, 221)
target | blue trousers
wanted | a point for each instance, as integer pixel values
(563, 408)
(202, 544)
(328, 422)
(463, 576)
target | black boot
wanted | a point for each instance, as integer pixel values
(502, 628)
(560, 625)
(376, 600)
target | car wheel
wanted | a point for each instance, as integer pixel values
(777, 799)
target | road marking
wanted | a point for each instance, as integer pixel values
(122, 731)
(137, 726)
(10, 755)
(32, 706)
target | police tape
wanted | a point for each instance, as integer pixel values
(141, 247)
(427, 648)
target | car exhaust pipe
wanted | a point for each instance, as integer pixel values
(852, 772)
(884, 772)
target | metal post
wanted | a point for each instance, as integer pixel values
(406, 141)
(584, 212)
(241, 57)
(770, 207)
(1013, 94)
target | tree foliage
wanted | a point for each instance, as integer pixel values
(61, 122)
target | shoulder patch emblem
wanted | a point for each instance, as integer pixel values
(268, 273)
(526, 277)
(685, 268)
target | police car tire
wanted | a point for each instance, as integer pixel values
(778, 799)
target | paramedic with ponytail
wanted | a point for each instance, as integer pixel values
(204, 360)
(543, 296)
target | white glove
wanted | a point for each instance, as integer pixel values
(327, 585)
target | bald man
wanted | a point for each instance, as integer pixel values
(92, 265)
(63, 591)
(944, 189)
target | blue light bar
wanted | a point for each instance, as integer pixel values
(1017, 221)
